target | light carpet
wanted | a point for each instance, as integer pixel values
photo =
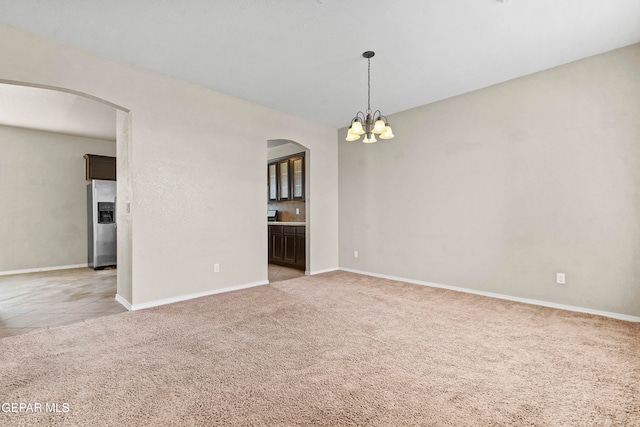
(334, 349)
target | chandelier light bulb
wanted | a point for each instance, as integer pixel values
(352, 136)
(388, 133)
(379, 126)
(356, 128)
(369, 138)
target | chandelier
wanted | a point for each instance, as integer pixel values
(369, 123)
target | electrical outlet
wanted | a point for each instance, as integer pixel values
(560, 279)
(216, 268)
(297, 211)
(355, 254)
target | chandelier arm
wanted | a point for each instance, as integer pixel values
(359, 116)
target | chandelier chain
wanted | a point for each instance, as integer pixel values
(368, 84)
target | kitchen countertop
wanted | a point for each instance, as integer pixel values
(286, 223)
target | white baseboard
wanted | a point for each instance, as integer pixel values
(313, 273)
(157, 303)
(123, 301)
(37, 270)
(617, 316)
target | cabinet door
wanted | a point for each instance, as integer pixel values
(289, 241)
(100, 167)
(300, 248)
(272, 181)
(275, 243)
(297, 180)
(283, 167)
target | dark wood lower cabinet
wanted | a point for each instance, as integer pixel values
(275, 243)
(287, 245)
(300, 248)
(289, 239)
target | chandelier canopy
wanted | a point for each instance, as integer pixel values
(369, 123)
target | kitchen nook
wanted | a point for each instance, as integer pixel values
(286, 210)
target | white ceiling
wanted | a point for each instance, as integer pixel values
(303, 57)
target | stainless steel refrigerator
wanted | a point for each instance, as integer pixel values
(101, 223)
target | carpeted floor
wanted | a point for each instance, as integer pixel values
(333, 349)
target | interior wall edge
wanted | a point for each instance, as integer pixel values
(123, 301)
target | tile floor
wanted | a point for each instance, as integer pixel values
(53, 298)
(279, 273)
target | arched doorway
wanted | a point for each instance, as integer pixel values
(122, 123)
(288, 201)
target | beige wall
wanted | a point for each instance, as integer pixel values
(44, 198)
(499, 189)
(197, 161)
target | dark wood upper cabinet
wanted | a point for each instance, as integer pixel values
(272, 181)
(100, 167)
(285, 178)
(297, 177)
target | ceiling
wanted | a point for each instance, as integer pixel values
(304, 57)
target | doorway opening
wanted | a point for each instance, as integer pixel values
(288, 213)
(49, 217)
